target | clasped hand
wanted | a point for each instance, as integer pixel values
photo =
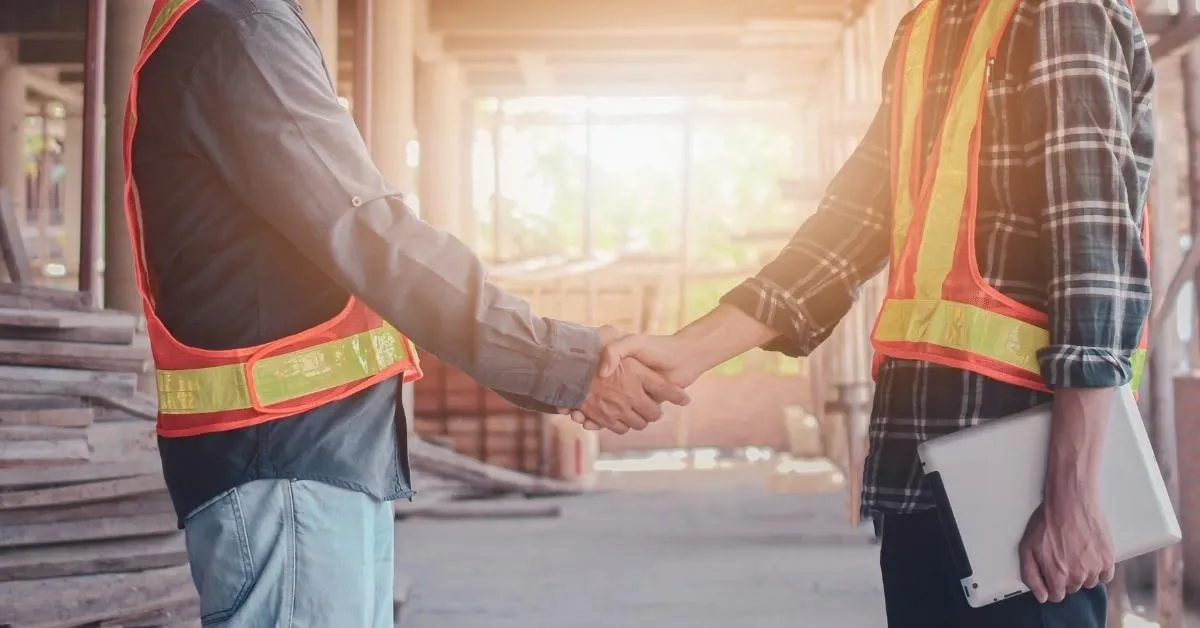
(635, 376)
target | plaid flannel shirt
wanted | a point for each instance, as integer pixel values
(1068, 142)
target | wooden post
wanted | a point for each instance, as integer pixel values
(92, 193)
(1190, 75)
(1164, 359)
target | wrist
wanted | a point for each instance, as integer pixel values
(722, 334)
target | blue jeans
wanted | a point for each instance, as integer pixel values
(289, 553)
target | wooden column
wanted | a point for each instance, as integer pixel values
(12, 129)
(72, 190)
(322, 19)
(126, 22)
(439, 102)
(1165, 357)
(393, 90)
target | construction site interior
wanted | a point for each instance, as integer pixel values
(616, 162)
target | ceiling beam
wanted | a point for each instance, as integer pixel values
(42, 17)
(630, 44)
(50, 51)
(621, 16)
(52, 89)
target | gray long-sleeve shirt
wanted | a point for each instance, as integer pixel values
(263, 211)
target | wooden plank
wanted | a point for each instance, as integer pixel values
(59, 418)
(185, 614)
(64, 319)
(40, 432)
(68, 602)
(17, 451)
(158, 503)
(17, 401)
(66, 382)
(29, 296)
(480, 509)
(82, 493)
(135, 526)
(75, 473)
(12, 243)
(122, 440)
(440, 461)
(52, 417)
(137, 405)
(97, 335)
(75, 355)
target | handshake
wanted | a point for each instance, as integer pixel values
(635, 376)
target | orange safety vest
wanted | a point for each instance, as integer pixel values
(938, 307)
(202, 391)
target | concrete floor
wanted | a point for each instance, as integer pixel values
(697, 548)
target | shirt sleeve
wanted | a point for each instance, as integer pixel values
(268, 120)
(1090, 119)
(810, 286)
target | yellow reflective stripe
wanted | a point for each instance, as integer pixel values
(965, 328)
(973, 330)
(1139, 366)
(283, 377)
(160, 20)
(948, 198)
(910, 99)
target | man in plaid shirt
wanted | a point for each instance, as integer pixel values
(1068, 141)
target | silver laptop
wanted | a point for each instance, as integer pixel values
(988, 481)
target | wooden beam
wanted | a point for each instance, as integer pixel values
(622, 44)
(620, 15)
(1176, 40)
(43, 17)
(50, 88)
(39, 51)
(1156, 23)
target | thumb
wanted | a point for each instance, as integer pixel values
(614, 352)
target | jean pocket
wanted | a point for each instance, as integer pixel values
(219, 552)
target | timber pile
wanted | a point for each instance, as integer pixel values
(87, 532)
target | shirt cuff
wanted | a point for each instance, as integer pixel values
(574, 354)
(1073, 366)
(749, 297)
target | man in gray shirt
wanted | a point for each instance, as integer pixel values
(261, 212)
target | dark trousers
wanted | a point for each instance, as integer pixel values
(922, 590)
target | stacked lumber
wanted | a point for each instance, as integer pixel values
(88, 535)
(451, 407)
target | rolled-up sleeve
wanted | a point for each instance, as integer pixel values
(1089, 115)
(271, 124)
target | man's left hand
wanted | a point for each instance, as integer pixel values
(1067, 546)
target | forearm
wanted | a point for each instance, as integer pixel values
(434, 288)
(1077, 433)
(722, 334)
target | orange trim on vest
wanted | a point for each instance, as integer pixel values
(203, 391)
(938, 307)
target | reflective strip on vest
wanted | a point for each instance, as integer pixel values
(908, 115)
(963, 327)
(284, 377)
